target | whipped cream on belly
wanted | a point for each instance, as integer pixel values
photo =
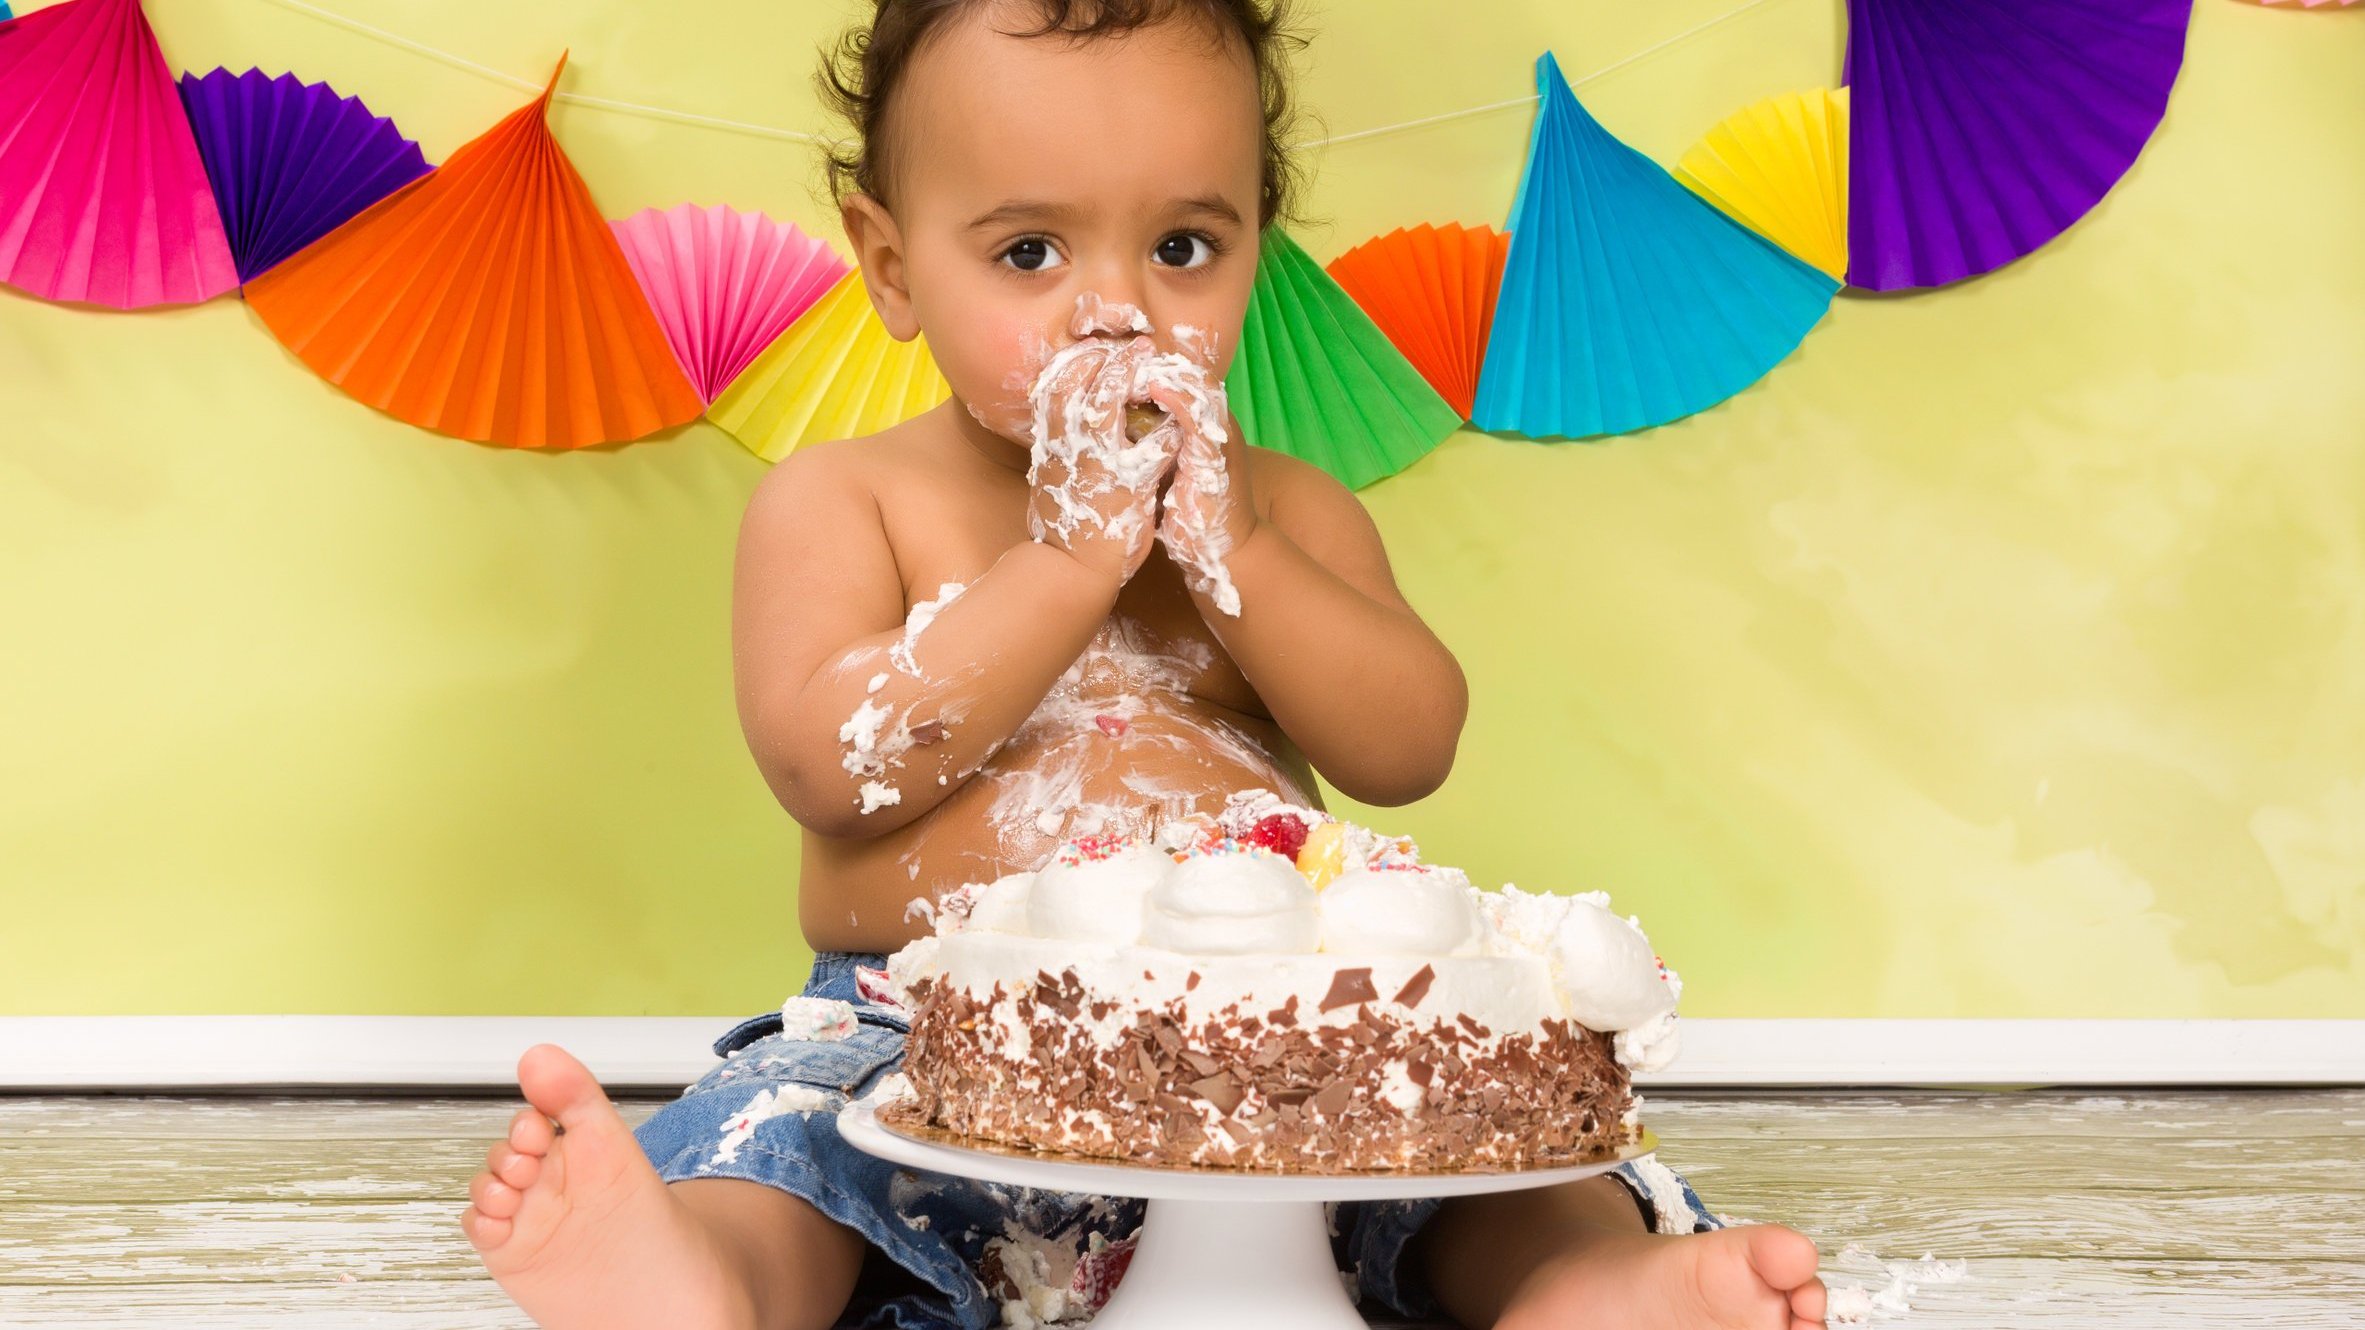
(1271, 906)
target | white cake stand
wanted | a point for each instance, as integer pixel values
(1239, 1251)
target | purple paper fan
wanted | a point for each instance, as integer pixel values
(290, 161)
(1978, 130)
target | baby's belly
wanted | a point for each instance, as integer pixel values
(1127, 769)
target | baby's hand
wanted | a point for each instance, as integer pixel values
(1095, 491)
(1206, 512)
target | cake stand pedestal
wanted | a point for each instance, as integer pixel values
(1239, 1251)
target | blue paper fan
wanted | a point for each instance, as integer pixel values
(4, 14)
(290, 161)
(1627, 302)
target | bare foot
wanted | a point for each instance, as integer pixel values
(1753, 1277)
(579, 1229)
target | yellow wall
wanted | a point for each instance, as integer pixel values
(2002, 654)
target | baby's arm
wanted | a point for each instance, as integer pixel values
(861, 723)
(818, 616)
(1347, 668)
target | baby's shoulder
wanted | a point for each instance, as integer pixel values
(846, 475)
(1292, 490)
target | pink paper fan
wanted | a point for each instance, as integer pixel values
(103, 197)
(724, 283)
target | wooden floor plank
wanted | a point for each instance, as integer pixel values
(82, 1169)
(2115, 1211)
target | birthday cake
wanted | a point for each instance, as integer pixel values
(1280, 990)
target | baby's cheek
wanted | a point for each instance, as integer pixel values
(1021, 350)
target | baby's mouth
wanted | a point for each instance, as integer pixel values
(1140, 419)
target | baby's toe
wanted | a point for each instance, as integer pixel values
(494, 1198)
(1808, 1302)
(483, 1232)
(1782, 1257)
(505, 1163)
(530, 1133)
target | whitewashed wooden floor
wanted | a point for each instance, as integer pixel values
(2189, 1210)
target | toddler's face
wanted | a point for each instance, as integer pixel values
(1041, 188)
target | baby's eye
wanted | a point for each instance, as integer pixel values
(1033, 254)
(1179, 250)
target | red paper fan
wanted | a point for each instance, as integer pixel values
(1431, 289)
(487, 300)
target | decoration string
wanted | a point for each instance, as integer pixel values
(1532, 98)
(804, 136)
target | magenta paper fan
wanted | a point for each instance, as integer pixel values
(290, 161)
(724, 283)
(1979, 130)
(103, 197)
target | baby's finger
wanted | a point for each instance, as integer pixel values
(1191, 398)
(1069, 376)
(1105, 400)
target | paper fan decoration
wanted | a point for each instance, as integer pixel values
(486, 300)
(837, 373)
(1981, 129)
(724, 283)
(1780, 168)
(1431, 290)
(290, 161)
(103, 198)
(1627, 302)
(4, 14)
(1317, 379)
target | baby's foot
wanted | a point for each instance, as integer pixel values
(1754, 1277)
(579, 1229)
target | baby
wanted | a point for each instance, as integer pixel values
(1071, 599)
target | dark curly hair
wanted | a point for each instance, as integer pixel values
(859, 73)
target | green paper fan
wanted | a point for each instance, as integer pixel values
(1317, 379)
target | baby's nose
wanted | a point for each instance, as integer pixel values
(1096, 317)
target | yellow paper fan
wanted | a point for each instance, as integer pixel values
(835, 373)
(1780, 168)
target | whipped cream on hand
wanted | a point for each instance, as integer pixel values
(1130, 444)
(1205, 513)
(1095, 490)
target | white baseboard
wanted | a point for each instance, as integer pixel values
(667, 1052)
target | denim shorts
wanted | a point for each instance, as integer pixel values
(929, 1232)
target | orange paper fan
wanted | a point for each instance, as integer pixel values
(486, 300)
(1431, 289)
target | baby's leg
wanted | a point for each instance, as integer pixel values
(581, 1232)
(1579, 1256)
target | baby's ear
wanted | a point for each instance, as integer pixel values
(878, 251)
